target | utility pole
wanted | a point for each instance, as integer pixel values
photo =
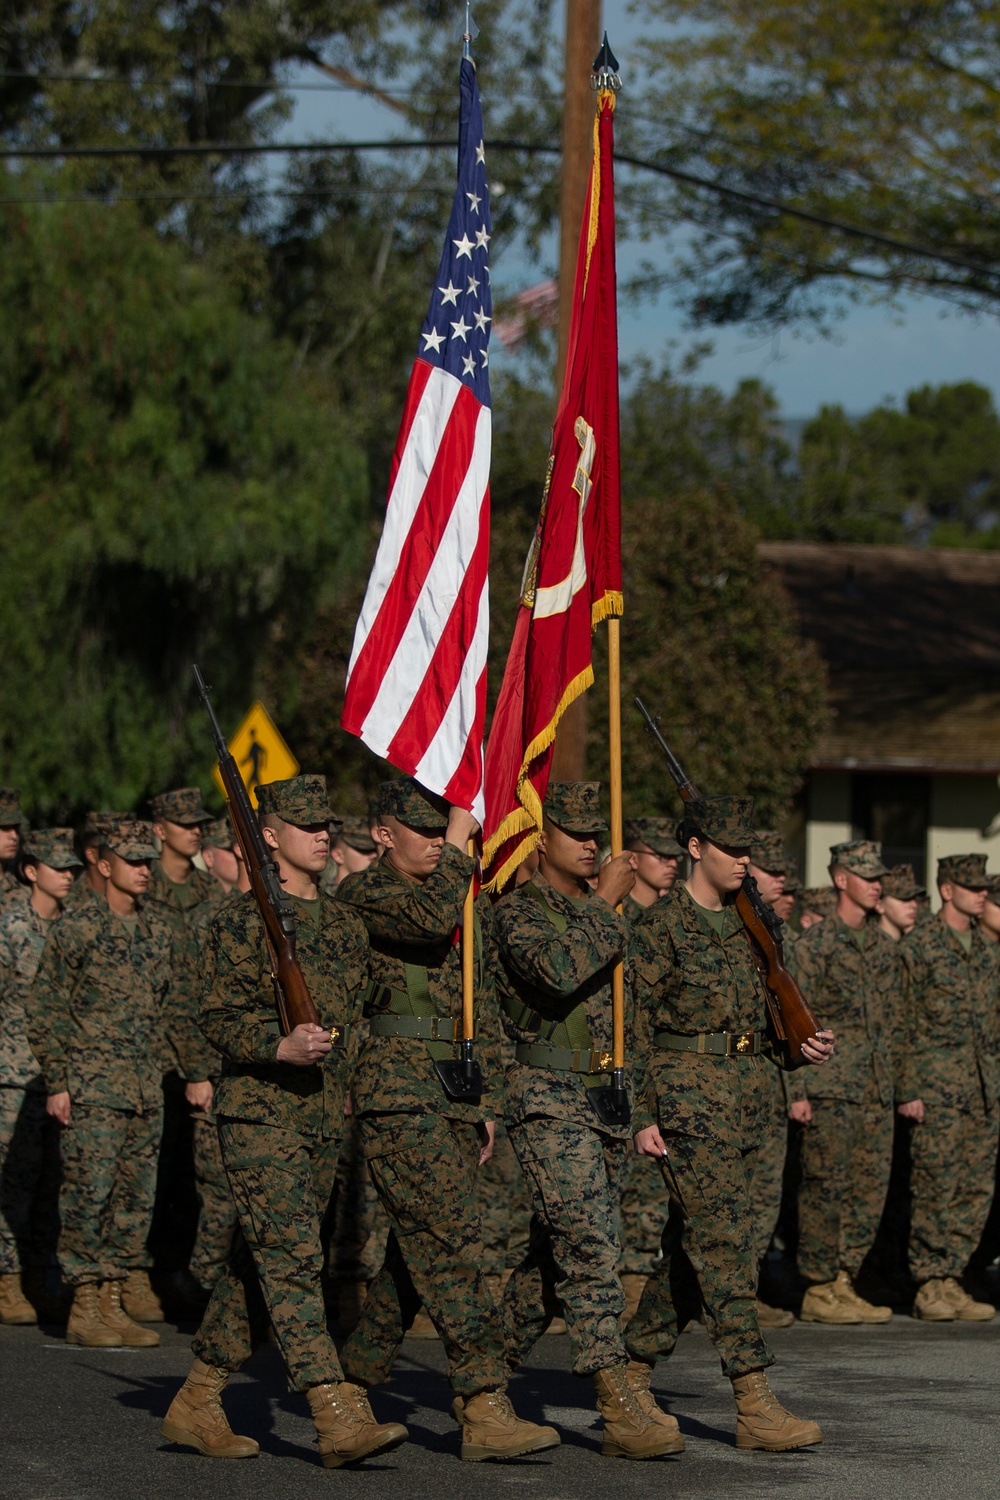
(583, 39)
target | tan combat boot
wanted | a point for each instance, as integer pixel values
(14, 1308)
(932, 1302)
(140, 1302)
(633, 1287)
(629, 1431)
(346, 1427)
(967, 1309)
(196, 1418)
(86, 1325)
(112, 1313)
(492, 1429)
(637, 1374)
(762, 1421)
(421, 1327)
(773, 1317)
(350, 1299)
(837, 1302)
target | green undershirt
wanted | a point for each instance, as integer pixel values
(713, 920)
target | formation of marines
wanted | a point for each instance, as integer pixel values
(163, 1143)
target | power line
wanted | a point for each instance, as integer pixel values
(529, 148)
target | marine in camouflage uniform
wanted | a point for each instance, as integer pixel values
(29, 1143)
(360, 1227)
(190, 1161)
(93, 1017)
(769, 866)
(280, 1109)
(644, 1202)
(91, 883)
(848, 970)
(949, 1081)
(423, 1147)
(559, 943)
(704, 1104)
(11, 818)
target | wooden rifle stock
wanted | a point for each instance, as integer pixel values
(791, 1017)
(291, 993)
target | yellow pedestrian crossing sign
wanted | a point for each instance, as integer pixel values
(259, 752)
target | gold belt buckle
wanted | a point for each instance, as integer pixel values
(600, 1062)
(743, 1044)
(334, 1033)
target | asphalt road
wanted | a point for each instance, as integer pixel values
(909, 1410)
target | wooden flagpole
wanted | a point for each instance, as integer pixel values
(469, 952)
(615, 790)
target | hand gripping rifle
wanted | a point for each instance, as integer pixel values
(791, 1017)
(291, 993)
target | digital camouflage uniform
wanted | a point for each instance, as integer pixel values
(948, 1058)
(712, 1110)
(280, 1125)
(29, 1140)
(851, 979)
(768, 854)
(11, 816)
(360, 1227)
(423, 1148)
(93, 1017)
(557, 956)
(190, 1155)
(95, 825)
(644, 1202)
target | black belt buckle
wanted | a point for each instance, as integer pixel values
(461, 1077)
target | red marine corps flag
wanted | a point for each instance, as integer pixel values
(416, 683)
(572, 579)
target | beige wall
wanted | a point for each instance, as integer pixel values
(962, 808)
(828, 821)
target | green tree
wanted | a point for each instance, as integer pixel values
(172, 487)
(881, 114)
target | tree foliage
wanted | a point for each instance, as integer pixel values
(172, 488)
(880, 114)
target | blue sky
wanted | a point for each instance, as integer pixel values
(874, 353)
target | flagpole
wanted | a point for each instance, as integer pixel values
(615, 790)
(468, 958)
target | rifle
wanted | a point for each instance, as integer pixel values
(291, 993)
(791, 1017)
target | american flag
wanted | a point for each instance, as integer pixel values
(416, 683)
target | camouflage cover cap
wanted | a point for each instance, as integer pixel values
(968, 870)
(820, 899)
(131, 838)
(861, 857)
(218, 834)
(357, 834)
(53, 847)
(901, 884)
(411, 803)
(656, 833)
(575, 806)
(724, 820)
(300, 799)
(768, 853)
(793, 885)
(181, 806)
(100, 822)
(10, 807)
(993, 889)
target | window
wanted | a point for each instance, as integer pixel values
(893, 809)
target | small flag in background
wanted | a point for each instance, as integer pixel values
(416, 683)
